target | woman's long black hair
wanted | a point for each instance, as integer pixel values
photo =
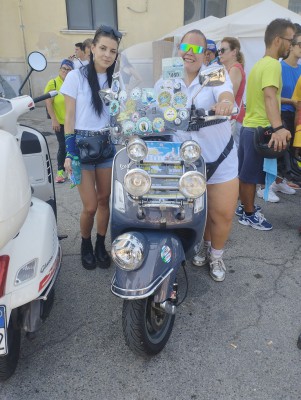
(90, 73)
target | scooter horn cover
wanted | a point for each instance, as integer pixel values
(261, 138)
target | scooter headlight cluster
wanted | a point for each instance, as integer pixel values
(136, 149)
(128, 251)
(137, 182)
(190, 151)
(192, 184)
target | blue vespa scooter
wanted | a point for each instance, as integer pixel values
(158, 205)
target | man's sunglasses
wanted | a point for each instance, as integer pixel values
(222, 50)
(110, 30)
(195, 49)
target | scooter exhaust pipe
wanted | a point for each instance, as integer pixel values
(168, 307)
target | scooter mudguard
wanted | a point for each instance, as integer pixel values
(163, 256)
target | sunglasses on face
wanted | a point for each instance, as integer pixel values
(222, 50)
(66, 69)
(109, 29)
(195, 49)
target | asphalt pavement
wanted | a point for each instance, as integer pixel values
(232, 340)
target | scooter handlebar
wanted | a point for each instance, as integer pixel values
(210, 113)
(46, 96)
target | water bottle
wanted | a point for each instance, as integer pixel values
(75, 177)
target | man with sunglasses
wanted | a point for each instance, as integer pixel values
(263, 109)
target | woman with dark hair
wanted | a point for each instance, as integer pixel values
(86, 116)
(232, 58)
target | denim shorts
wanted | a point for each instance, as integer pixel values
(250, 163)
(107, 163)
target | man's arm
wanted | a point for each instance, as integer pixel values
(281, 135)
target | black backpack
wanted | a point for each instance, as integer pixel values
(48, 116)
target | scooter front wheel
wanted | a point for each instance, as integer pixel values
(9, 362)
(146, 328)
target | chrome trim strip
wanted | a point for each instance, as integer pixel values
(145, 292)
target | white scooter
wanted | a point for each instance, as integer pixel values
(30, 253)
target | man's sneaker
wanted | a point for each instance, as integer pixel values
(202, 257)
(272, 197)
(240, 209)
(256, 221)
(282, 187)
(60, 176)
(217, 269)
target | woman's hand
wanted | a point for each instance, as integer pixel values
(223, 107)
(68, 166)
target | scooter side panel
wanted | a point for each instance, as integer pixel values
(38, 240)
(164, 256)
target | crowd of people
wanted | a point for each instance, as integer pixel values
(273, 95)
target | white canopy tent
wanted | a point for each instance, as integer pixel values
(247, 25)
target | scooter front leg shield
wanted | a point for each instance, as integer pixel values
(163, 255)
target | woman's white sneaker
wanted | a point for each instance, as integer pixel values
(217, 269)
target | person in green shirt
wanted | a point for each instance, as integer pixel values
(263, 109)
(56, 110)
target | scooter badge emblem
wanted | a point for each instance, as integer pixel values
(115, 86)
(179, 100)
(128, 127)
(166, 254)
(122, 96)
(158, 125)
(114, 107)
(183, 114)
(136, 93)
(170, 114)
(144, 125)
(164, 99)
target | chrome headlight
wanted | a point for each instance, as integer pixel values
(190, 151)
(128, 251)
(27, 272)
(136, 149)
(137, 182)
(192, 184)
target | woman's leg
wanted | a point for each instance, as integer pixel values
(103, 189)
(222, 199)
(88, 197)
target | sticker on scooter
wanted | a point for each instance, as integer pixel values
(115, 86)
(166, 254)
(173, 68)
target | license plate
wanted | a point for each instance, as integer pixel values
(3, 343)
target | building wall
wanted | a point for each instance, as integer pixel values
(41, 25)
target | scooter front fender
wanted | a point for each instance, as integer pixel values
(164, 255)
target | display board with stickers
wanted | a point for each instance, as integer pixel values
(148, 111)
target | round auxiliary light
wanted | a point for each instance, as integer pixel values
(192, 184)
(136, 149)
(128, 251)
(137, 182)
(190, 151)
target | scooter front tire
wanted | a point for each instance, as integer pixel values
(9, 362)
(146, 329)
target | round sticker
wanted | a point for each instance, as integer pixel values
(115, 86)
(166, 254)
(122, 96)
(135, 116)
(164, 99)
(144, 125)
(177, 86)
(128, 127)
(178, 121)
(114, 107)
(179, 100)
(158, 125)
(183, 113)
(170, 114)
(136, 93)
